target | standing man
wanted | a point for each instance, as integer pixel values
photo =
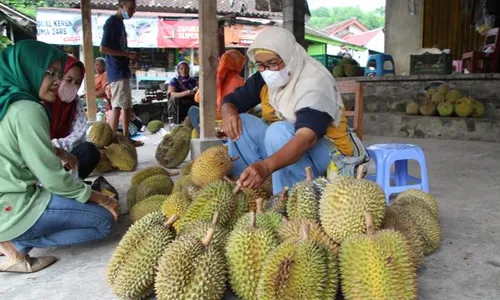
(101, 78)
(114, 46)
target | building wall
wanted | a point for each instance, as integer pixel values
(403, 35)
(377, 43)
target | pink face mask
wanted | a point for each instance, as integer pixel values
(67, 92)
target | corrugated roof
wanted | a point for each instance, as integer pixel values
(246, 8)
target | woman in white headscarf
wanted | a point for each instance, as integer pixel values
(308, 127)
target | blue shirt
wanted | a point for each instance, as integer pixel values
(115, 37)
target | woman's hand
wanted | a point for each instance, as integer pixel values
(107, 202)
(231, 122)
(70, 161)
(255, 175)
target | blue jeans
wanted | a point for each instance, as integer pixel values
(259, 141)
(194, 117)
(66, 222)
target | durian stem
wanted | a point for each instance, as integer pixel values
(370, 228)
(260, 205)
(361, 171)
(237, 189)
(171, 221)
(234, 158)
(215, 218)
(226, 178)
(304, 232)
(208, 238)
(309, 174)
(252, 219)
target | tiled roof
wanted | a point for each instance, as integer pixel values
(246, 8)
(364, 38)
(335, 28)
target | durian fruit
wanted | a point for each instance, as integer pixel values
(437, 98)
(174, 148)
(215, 197)
(155, 126)
(199, 229)
(190, 269)
(253, 195)
(395, 220)
(445, 109)
(300, 270)
(377, 265)
(131, 197)
(453, 95)
(412, 108)
(176, 204)
(428, 108)
(132, 268)
(211, 165)
(246, 251)
(344, 203)
(429, 93)
(148, 172)
(289, 231)
(278, 202)
(100, 134)
(121, 157)
(154, 185)
(428, 226)
(464, 107)
(427, 198)
(443, 89)
(185, 184)
(350, 70)
(270, 220)
(303, 201)
(186, 168)
(146, 206)
(338, 71)
(104, 165)
(126, 142)
(478, 109)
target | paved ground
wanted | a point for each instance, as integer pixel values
(464, 179)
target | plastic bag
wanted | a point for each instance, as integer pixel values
(101, 185)
(484, 21)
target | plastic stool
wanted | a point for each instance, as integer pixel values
(380, 60)
(387, 154)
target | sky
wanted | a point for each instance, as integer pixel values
(367, 5)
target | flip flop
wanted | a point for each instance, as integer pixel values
(28, 264)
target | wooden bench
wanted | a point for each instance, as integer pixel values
(354, 87)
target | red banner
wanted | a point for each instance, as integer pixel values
(178, 34)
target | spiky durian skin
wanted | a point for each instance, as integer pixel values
(148, 172)
(277, 204)
(303, 201)
(253, 195)
(176, 204)
(147, 206)
(185, 184)
(131, 271)
(270, 220)
(190, 271)
(395, 219)
(423, 196)
(104, 165)
(154, 185)
(101, 134)
(289, 232)
(173, 148)
(344, 204)
(186, 168)
(428, 226)
(211, 165)
(121, 157)
(131, 197)
(199, 229)
(215, 197)
(377, 266)
(302, 270)
(246, 252)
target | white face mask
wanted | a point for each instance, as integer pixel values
(276, 79)
(67, 92)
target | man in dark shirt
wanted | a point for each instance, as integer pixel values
(114, 46)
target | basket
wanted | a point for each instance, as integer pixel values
(431, 64)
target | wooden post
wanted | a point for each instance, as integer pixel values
(88, 51)
(293, 19)
(208, 60)
(221, 38)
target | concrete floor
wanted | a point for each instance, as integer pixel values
(464, 179)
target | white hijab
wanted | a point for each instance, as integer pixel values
(310, 85)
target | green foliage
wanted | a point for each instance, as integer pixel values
(4, 42)
(323, 17)
(28, 7)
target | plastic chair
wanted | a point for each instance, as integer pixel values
(387, 154)
(379, 60)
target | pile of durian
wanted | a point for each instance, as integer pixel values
(319, 239)
(446, 102)
(117, 152)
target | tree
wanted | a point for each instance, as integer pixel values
(323, 17)
(4, 42)
(28, 7)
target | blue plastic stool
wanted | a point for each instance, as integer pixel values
(380, 60)
(387, 154)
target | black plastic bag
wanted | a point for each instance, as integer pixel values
(101, 185)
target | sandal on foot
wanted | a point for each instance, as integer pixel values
(28, 264)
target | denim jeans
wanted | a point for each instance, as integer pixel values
(259, 141)
(66, 222)
(88, 157)
(194, 117)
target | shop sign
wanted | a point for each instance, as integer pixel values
(178, 34)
